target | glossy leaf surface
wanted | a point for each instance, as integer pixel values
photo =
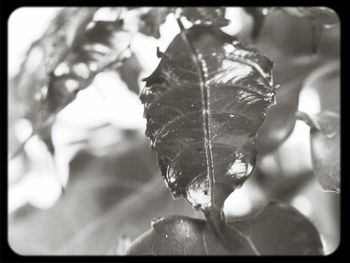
(204, 104)
(277, 230)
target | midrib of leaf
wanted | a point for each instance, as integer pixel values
(246, 238)
(205, 104)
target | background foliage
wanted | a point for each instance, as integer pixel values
(98, 138)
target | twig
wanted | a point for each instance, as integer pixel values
(300, 115)
(21, 147)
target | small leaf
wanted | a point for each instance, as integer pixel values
(325, 148)
(204, 103)
(276, 230)
(206, 15)
(153, 19)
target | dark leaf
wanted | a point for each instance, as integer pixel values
(259, 15)
(153, 19)
(276, 230)
(319, 17)
(293, 72)
(204, 103)
(323, 15)
(280, 120)
(325, 81)
(130, 73)
(325, 147)
(206, 15)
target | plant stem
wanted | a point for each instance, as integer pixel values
(230, 237)
(300, 115)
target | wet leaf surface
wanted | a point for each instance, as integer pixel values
(277, 229)
(205, 102)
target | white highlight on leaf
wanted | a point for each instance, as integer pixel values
(198, 192)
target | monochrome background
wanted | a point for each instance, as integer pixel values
(112, 186)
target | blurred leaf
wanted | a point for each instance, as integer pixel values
(280, 118)
(323, 15)
(206, 15)
(276, 230)
(50, 50)
(96, 185)
(130, 72)
(319, 17)
(259, 15)
(44, 55)
(108, 202)
(325, 80)
(102, 46)
(153, 19)
(127, 219)
(294, 68)
(90, 50)
(216, 132)
(284, 37)
(325, 147)
(279, 186)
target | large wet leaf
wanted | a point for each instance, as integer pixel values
(276, 230)
(204, 104)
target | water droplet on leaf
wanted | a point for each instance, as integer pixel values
(198, 192)
(155, 221)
